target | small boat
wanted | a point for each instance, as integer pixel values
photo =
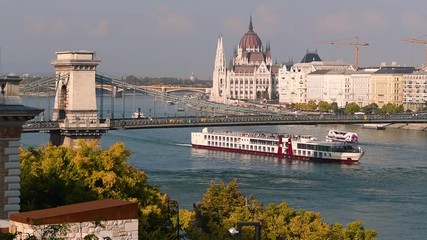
(286, 146)
(342, 136)
(180, 109)
(170, 102)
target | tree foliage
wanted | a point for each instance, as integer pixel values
(371, 108)
(53, 176)
(351, 108)
(324, 106)
(223, 206)
(391, 108)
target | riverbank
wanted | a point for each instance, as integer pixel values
(408, 126)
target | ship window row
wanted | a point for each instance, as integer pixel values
(263, 142)
(243, 146)
(220, 138)
(340, 148)
(312, 154)
(258, 148)
(222, 144)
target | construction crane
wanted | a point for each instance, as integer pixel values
(356, 43)
(414, 40)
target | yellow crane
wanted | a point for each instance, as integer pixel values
(356, 43)
(414, 40)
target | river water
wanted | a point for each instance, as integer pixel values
(386, 190)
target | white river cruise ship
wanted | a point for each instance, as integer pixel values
(277, 145)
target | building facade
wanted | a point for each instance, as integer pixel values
(292, 81)
(251, 74)
(415, 90)
(387, 85)
(339, 86)
(12, 116)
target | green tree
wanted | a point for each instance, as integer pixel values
(324, 106)
(53, 176)
(217, 206)
(334, 107)
(356, 231)
(311, 105)
(371, 109)
(223, 206)
(391, 108)
(351, 108)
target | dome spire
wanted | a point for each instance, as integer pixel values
(251, 27)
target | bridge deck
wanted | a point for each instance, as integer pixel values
(194, 121)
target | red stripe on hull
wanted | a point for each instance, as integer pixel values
(294, 157)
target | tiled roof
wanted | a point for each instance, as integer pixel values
(275, 69)
(256, 57)
(395, 70)
(107, 209)
(244, 69)
(310, 57)
(321, 71)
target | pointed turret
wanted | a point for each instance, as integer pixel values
(219, 72)
(251, 27)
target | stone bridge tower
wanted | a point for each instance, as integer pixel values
(75, 99)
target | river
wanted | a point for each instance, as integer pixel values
(386, 190)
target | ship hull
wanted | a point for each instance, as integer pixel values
(277, 155)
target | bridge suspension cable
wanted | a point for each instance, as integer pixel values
(195, 103)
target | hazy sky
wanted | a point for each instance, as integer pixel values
(173, 38)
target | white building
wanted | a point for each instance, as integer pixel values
(360, 87)
(293, 81)
(251, 74)
(415, 90)
(329, 86)
(340, 86)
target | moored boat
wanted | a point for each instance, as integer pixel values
(277, 145)
(342, 136)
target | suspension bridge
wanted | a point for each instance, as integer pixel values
(225, 115)
(75, 113)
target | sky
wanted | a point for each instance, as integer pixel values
(175, 38)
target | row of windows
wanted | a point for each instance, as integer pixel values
(339, 148)
(243, 146)
(263, 142)
(312, 154)
(220, 138)
(241, 92)
(250, 82)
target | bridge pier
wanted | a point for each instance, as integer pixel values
(71, 138)
(75, 100)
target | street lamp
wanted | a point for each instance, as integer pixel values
(234, 231)
(238, 231)
(173, 208)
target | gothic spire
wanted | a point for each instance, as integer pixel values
(251, 27)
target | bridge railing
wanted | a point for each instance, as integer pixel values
(85, 124)
(193, 121)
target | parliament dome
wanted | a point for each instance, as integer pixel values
(250, 40)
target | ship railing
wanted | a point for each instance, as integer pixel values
(251, 135)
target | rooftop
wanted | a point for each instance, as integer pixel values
(107, 209)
